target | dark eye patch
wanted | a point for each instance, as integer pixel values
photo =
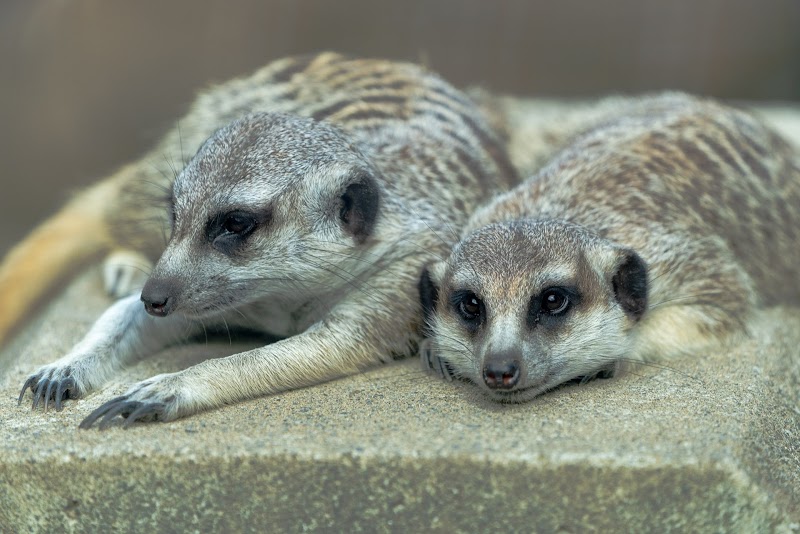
(468, 307)
(236, 223)
(552, 303)
(171, 215)
(229, 230)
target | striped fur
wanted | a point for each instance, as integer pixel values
(434, 159)
(399, 113)
(704, 193)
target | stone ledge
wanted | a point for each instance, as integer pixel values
(710, 443)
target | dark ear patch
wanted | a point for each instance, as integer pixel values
(359, 207)
(630, 284)
(428, 294)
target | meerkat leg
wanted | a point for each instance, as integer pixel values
(347, 341)
(125, 272)
(431, 363)
(313, 357)
(80, 233)
(123, 333)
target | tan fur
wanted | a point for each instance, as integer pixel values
(134, 215)
(317, 189)
(672, 331)
(76, 235)
(700, 196)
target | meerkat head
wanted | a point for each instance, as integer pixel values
(521, 307)
(271, 206)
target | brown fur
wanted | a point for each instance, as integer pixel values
(704, 193)
(361, 96)
(318, 189)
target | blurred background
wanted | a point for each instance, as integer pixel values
(86, 85)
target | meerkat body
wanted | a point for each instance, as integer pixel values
(656, 231)
(308, 215)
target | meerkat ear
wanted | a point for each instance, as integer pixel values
(630, 284)
(429, 289)
(359, 206)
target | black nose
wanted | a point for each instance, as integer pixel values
(158, 296)
(501, 374)
(157, 309)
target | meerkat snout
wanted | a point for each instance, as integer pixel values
(158, 296)
(502, 371)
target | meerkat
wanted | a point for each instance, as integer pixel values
(308, 215)
(655, 232)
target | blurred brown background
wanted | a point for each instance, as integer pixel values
(86, 85)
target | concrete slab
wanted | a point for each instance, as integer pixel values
(710, 443)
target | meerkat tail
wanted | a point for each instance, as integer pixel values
(76, 235)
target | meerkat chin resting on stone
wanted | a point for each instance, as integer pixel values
(324, 186)
(655, 232)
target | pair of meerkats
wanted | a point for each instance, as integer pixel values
(340, 205)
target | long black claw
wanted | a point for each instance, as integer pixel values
(448, 369)
(439, 367)
(48, 392)
(64, 387)
(427, 359)
(28, 384)
(37, 395)
(99, 412)
(147, 409)
(120, 408)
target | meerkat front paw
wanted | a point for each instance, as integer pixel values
(53, 383)
(432, 363)
(125, 272)
(155, 399)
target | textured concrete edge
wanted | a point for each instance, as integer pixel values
(769, 450)
(288, 492)
(414, 490)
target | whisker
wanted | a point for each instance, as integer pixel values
(660, 367)
(139, 268)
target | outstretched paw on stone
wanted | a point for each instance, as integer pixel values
(155, 399)
(130, 410)
(50, 384)
(434, 364)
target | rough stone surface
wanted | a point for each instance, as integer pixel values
(709, 442)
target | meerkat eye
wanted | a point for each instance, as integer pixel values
(226, 231)
(469, 306)
(555, 301)
(237, 223)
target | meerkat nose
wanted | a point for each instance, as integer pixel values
(501, 373)
(157, 297)
(157, 309)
